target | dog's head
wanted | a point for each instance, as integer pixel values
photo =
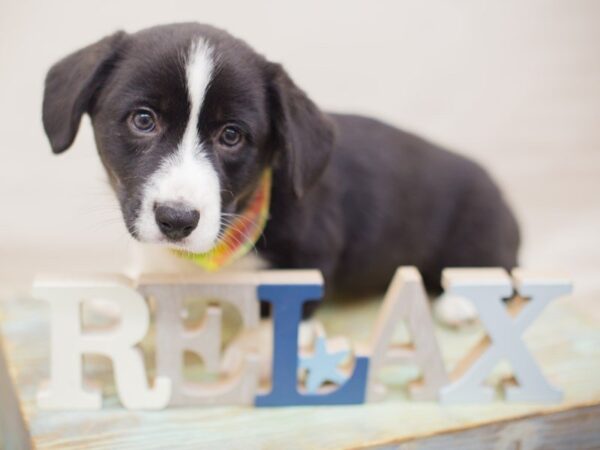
(186, 119)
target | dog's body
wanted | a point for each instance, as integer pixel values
(186, 120)
(388, 198)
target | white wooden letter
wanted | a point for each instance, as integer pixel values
(68, 343)
(487, 288)
(406, 300)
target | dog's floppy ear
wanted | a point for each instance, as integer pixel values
(71, 85)
(302, 132)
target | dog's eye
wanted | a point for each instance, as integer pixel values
(230, 136)
(143, 120)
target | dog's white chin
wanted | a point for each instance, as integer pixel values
(188, 244)
(192, 248)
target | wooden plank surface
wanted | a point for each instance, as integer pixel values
(573, 429)
(565, 340)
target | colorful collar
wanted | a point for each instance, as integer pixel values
(243, 232)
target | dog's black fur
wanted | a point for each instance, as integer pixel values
(352, 196)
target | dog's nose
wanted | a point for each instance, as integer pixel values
(175, 220)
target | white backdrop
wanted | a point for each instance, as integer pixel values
(514, 84)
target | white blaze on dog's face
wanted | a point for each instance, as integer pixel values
(187, 178)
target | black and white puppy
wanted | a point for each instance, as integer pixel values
(186, 118)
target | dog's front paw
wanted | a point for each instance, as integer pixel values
(454, 311)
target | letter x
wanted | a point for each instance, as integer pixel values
(487, 288)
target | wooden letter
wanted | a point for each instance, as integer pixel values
(68, 343)
(406, 300)
(487, 288)
(287, 293)
(172, 338)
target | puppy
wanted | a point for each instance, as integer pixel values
(186, 120)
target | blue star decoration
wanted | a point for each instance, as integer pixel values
(322, 366)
